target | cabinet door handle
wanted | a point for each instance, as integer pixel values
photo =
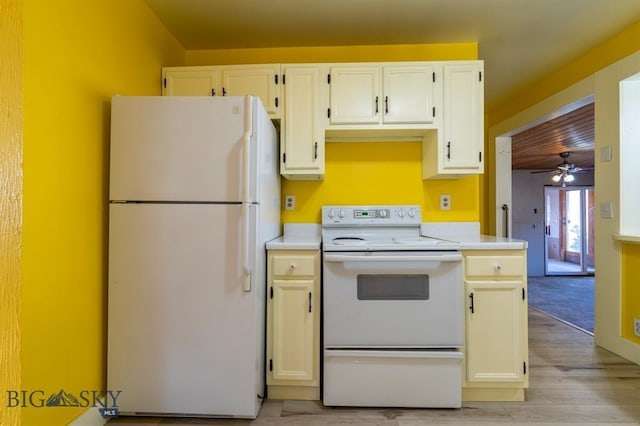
(309, 302)
(449, 150)
(471, 307)
(224, 92)
(386, 105)
(213, 92)
(315, 151)
(376, 105)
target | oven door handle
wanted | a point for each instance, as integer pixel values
(454, 257)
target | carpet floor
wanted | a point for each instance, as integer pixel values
(569, 298)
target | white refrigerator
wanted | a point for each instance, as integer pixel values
(194, 195)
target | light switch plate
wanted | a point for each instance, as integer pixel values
(606, 210)
(605, 153)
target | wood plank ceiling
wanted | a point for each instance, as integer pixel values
(540, 147)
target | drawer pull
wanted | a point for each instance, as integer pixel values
(498, 268)
(292, 267)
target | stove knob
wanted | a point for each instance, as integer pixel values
(383, 213)
(341, 213)
(401, 212)
(331, 213)
(412, 212)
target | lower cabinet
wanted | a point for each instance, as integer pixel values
(496, 347)
(293, 324)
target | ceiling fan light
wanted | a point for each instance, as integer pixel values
(569, 178)
(556, 178)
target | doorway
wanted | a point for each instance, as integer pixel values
(569, 230)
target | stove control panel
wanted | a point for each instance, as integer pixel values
(370, 213)
(404, 215)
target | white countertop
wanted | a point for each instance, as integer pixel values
(488, 242)
(469, 237)
(307, 236)
(297, 236)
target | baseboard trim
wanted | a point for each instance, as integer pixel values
(309, 393)
(493, 394)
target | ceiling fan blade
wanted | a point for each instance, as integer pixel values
(544, 171)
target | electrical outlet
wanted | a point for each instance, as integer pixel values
(636, 327)
(289, 202)
(445, 202)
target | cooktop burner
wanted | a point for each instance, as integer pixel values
(349, 241)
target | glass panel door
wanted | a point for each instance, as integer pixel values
(569, 231)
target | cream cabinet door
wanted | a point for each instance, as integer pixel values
(190, 81)
(302, 147)
(495, 339)
(463, 121)
(292, 330)
(354, 95)
(262, 81)
(408, 94)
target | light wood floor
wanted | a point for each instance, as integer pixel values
(572, 382)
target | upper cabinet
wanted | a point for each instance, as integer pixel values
(378, 94)
(409, 94)
(458, 149)
(302, 141)
(355, 95)
(191, 81)
(262, 81)
(439, 103)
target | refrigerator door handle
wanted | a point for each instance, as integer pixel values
(246, 254)
(246, 141)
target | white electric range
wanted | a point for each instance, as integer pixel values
(392, 310)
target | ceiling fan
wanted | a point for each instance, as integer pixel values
(564, 172)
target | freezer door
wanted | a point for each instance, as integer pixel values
(170, 148)
(183, 336)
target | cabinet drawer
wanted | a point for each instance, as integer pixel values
(291, 266)
(494, 266)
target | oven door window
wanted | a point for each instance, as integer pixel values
(393, 287)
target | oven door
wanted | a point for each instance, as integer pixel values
(393, 299)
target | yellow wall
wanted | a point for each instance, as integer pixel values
(10, 201)
(375, 53)
(630, 289)
(77, 55)
(376, 172)
(380, 173)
